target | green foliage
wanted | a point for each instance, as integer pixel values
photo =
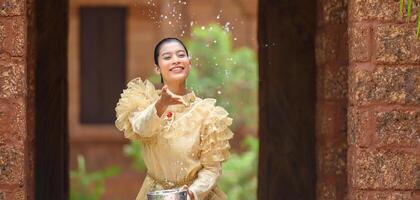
(89, 185)
(133, 151)
(226, 74)
(239, 179)
(409, 6)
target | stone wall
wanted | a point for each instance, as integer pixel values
(384, 102)
(15, 175)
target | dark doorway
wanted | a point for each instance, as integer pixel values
(102, 62)
(48, 49)
(287, 96)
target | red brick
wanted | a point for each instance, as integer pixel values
(331, 121)
(400, 128)
(360, 132)
(388, 85)
(397, 44)
(12, 121)
(332, 83)
(12, 78)
(332, 12)
(332, 160)
(331, 46)
(12, 193)
(385, 10)
(12, 7)
(359, 42)
(331, 189)
(12, 35)
(11, 165)
(391, 128)
(384, 169)
(382, 195)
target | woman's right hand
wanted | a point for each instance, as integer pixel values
(167, 98)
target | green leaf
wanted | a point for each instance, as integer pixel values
(409, 5)
(89, 185)
(418, 23)
(401, 7)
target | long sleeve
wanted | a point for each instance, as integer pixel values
(135, 111)
(215, 147)
(206, 180)
(146, 123)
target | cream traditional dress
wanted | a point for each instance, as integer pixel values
(185, 146)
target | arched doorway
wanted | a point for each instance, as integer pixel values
(287, 100)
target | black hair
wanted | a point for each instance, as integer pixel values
(159, 45)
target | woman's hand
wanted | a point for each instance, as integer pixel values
(167, 98)
(190, 194)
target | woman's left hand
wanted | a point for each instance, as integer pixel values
(190, 194)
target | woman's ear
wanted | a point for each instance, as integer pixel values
(157, 69)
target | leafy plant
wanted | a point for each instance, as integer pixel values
(408, 8)
(239, 179)
(226, 74)
(89, 185)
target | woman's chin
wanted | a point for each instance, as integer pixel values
(179, 77)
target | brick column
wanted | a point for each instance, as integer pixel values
(331, 107)
(384, 103)
(15, 162)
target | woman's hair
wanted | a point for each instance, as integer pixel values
(159, 45)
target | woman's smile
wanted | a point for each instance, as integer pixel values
(177, 69)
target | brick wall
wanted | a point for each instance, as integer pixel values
(332, 65)
(384, 102)
(13, 102)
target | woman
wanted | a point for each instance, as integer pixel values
(184, 138)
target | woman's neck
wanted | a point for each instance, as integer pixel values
(178, 89)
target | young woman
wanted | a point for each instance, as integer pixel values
(184, 138)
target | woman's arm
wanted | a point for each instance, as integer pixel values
(214, 149)
(146, 123)
(206, 180)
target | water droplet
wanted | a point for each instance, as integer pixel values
(219, 92)
(203, 28)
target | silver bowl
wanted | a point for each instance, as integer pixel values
(172, 194)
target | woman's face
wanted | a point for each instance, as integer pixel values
(174, 64)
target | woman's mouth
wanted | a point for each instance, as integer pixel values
(177, 69)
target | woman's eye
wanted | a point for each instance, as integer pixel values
(181, 55)
(166, 58)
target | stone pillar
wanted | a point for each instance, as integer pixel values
(15, 104)
(331, 104)
(384, 102)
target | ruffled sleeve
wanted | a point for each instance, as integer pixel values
(135, 111)
(214, 148)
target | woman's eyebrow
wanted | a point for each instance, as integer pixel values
(181, 50)
(164, 53)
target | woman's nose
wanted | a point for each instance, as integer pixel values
(176, 59)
